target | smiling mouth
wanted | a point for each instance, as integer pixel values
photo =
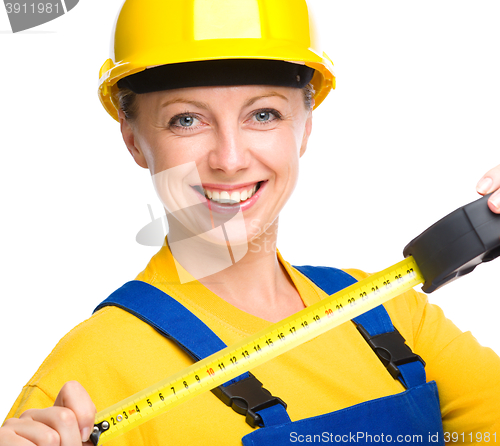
(228, 197)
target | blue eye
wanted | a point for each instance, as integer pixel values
(186, 121)
(266, 116)
(263, 116)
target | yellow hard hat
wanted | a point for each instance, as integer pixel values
(152, 33)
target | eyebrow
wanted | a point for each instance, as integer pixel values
(268, 95)
(198, 104)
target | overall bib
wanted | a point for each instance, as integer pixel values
(412, 416)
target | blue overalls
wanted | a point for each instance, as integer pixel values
(414, 412)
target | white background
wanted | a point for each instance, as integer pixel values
(403, 140)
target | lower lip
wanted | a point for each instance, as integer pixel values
(231, 208)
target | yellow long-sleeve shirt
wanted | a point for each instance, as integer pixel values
(113, 355)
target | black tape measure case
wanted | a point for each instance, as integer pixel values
(456, 244)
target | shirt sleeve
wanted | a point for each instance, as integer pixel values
(31, 397)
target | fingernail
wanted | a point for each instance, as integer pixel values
(484, 185)
(85, 434)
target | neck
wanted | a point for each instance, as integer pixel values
(257, 283)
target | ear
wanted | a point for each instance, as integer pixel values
(128, 134)
(307, 133)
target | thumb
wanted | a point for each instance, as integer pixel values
(74, 397)
(490, 182)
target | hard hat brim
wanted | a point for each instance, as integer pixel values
(225, 72)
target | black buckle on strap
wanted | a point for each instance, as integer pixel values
(391, 349)
(246, 397)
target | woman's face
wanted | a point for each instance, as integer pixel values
(231, 151)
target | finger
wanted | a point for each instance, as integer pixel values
(494, 202)
(489, 182)
(73, 396)
(26, 432)
(10, 438)
(63, 424)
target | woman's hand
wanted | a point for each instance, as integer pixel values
(489, 183)
(68, 423)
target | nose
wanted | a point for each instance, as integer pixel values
(229, 153)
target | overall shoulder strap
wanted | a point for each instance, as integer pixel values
(244, 393)
(376, 327)
(166, 315)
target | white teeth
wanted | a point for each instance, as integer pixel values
(235, 196)
(227, 197)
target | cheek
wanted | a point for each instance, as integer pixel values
(279, 151)
(149, 149)
(167, 151)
